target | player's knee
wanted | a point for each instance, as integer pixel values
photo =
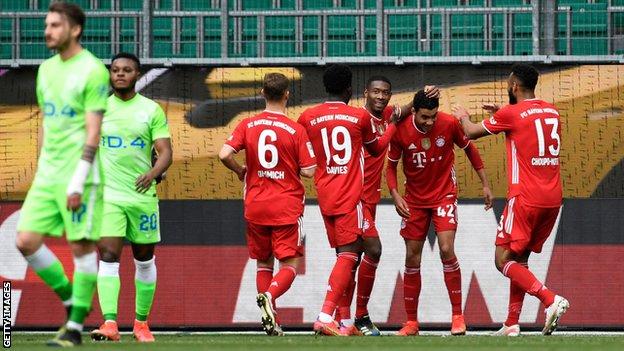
(412, 259)
(374, 251)
(447, 251)
(500, 262)
(107, 255)
(27, 244)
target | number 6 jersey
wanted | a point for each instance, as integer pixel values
(276, 149)
(338, 133)
(532, 136)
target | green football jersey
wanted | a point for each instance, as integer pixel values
(128, 133)
(66, 91)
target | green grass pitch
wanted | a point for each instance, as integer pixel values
(255, 342)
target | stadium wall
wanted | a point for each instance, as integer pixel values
(206, 280)
(205, 277)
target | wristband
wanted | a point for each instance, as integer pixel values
(76, 184)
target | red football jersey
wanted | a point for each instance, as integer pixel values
(338, 132)
(373, 165)
(533, 140)
(276, 149)
(428, 159)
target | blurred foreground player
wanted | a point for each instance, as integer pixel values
(377, 95)
(533, 140)
(277, 152)
(339, 133)
(426, 144)
(133, 125)
(66, 194)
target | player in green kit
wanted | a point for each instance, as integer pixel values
(66, 193)
(133, 124)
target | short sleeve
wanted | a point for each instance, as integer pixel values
(236, 140)
(501, 121)
(306, 153)
(459, 137)
(160, 128)
(96, 89)
(395, 151)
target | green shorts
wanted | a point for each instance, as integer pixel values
(138, 222)
(45, 212)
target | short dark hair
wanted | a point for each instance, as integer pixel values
(128, 56)
(422, 101)
(337, 79)
(526, 74)
(275, 86)
(378, 78)
(72, 12)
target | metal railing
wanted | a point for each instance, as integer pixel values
(317, 36)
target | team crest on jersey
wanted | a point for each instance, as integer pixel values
(403, 223)
(425, 143)
(366, 224)
(440, 141)
(492, 120)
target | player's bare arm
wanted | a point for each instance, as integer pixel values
(399, 203)
(472, 130)
(76, 184)
(308, 172)
(475, 159)
(226, 155)
(487, 192)
(163, 162)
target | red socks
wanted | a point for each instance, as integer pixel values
(264, 275)
(339, 280)
(282, 281)
(526, 281)
(516, 298)
(411, 292)
(366, 279)
(452, 279)
(344, 305)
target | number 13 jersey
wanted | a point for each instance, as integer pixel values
(533, 141)
(276, 149)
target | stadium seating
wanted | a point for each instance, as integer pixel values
(588, 30)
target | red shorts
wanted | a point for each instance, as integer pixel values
(369, 228)
(344, 229)
(281, 241)
(444, 219)
(523, 227)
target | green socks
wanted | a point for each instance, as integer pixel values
(108, 293)
(85, 278)
(50, 270)
(145, 284)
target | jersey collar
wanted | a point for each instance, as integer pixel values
(335, 102)
(275, 113)
(372, 115)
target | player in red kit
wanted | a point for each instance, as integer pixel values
(278, 151)
(425, 142)
(534, 196)
(338, 133)
(377, 94)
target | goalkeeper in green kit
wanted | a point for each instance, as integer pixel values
(132, 126)
(67, 192)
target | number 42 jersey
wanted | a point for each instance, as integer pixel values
(276, 149)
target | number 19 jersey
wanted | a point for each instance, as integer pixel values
(276, 149)
(532, 137)
(338, 132)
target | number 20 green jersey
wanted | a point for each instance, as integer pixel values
(129, 130)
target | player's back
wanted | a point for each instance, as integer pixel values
(533, 146)
(335, 131)
(276, 150)
(66, 91)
